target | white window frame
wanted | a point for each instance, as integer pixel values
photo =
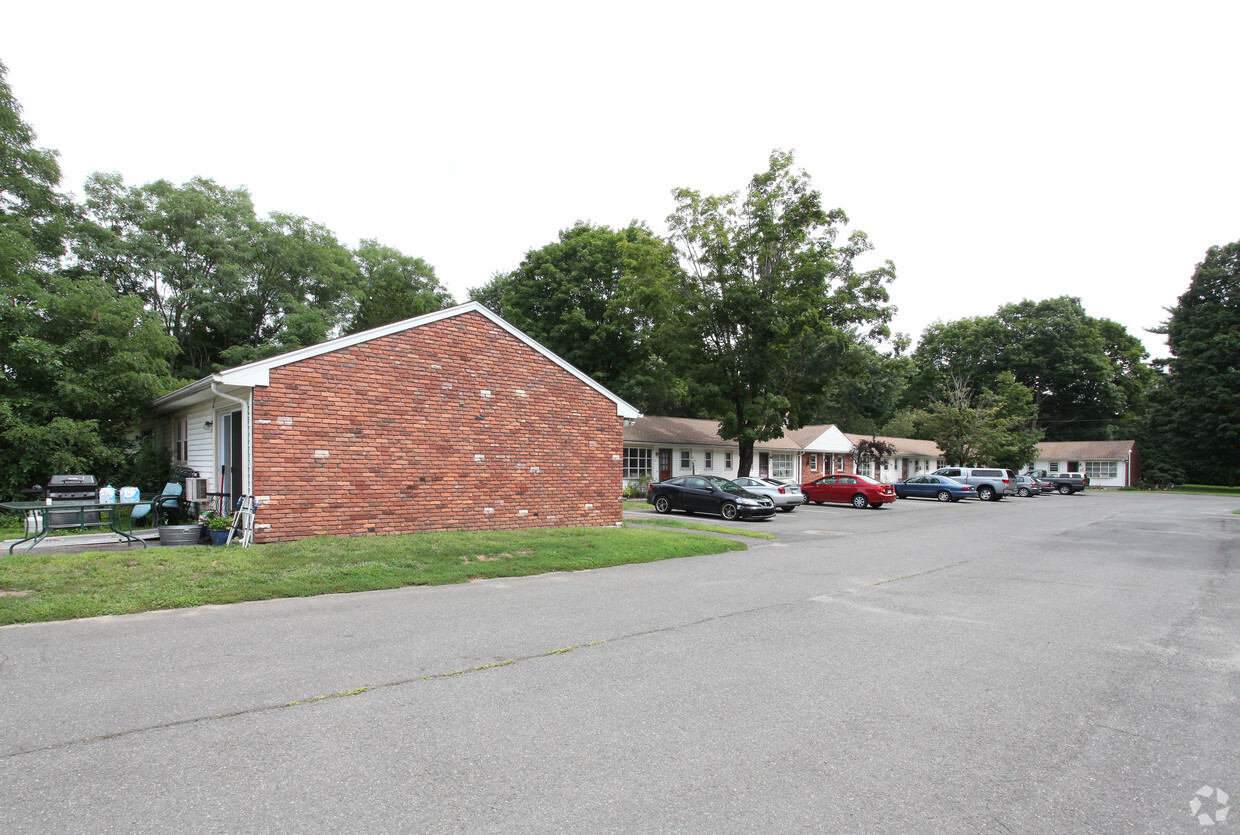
(708, 460)
(781, 465)
(686, 459)
(638, 462)
(813, 462)
(1101, 469)
(727, 460)
(180, 440)
(864, 467)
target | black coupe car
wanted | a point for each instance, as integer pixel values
(709, 494)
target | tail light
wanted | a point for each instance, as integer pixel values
(781, 491)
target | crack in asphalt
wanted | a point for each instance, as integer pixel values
(260, 709)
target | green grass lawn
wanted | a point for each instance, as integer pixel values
(1195, 489)
(38, 587)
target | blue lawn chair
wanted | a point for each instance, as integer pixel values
(168, 501)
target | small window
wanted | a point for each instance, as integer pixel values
(686, 460)
(709, 460)
(727, 460)
(1053, 466)
(180, 440)
(813, 461)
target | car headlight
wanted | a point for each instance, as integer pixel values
(749, 502)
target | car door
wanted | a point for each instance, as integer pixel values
(820, 490)
(700, 496)
(919, 486)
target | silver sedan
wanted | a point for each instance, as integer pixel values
(786, 496)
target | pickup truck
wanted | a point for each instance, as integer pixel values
(1064, 483)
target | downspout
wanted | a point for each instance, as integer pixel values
(247, 439)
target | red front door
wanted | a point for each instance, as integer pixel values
(665, 464)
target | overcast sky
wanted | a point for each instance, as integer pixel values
(993, 151)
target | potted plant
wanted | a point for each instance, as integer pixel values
(217, 526)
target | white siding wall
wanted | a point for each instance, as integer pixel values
(697, 461)
(1121, 472)
(201, 441)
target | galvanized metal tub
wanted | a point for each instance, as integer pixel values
(180, 534)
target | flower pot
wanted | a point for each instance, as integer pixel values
(180, 534)
(219, 537)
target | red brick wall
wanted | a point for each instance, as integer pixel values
(826, 465)
(453, 425)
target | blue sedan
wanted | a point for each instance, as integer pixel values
(934, 487)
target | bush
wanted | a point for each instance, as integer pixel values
(638, 489)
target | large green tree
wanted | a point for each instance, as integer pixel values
(1085, 374)
(78, 360)
(867, 389)
(772, 296)
(603, 299)
(228, 286)
(990, 427)
(394, 286)
(1203, 385)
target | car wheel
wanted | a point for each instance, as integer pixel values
(663, 505)
(985, 493)
(944, 496)
(728, 511)
(1064, 489)
(1023, 492)
(860, 501)
(787, 508)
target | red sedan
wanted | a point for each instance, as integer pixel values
(857, 490)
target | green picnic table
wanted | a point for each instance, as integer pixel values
(86, 513)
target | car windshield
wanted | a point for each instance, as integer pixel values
(725, 484)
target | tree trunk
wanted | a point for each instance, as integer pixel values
(744, 461)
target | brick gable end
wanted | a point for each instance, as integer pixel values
(453, 425)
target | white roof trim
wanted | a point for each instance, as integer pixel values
(832, 440)
(259, 373)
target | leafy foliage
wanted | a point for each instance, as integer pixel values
(394, 286)
(1203, 386)
(227, 286)
(1085, 374)
(770, 298)
(874, 451)
(80, 361)
(603, 300)
(990, 428)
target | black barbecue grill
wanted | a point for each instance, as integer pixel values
(72, 488)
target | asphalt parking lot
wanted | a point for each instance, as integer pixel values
(1058, 664)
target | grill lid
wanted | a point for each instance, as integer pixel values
(72, 486)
